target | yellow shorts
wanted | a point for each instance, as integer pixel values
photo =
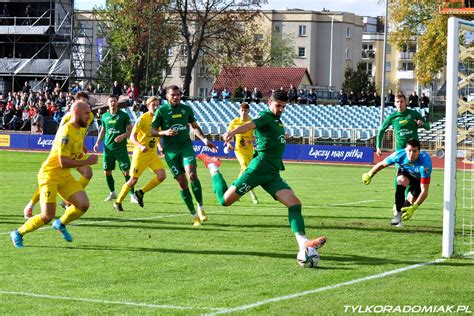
(65, 187)
(142, 161)
(244, 159)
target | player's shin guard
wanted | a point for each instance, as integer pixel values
(72, 213)
(197, 191)
(188, 200)
(151, 184)
(400, 197)
(132, 189)
(220, 186)
(110, 183)
(123, 193)
(30, 225)
(36, 196)
(296, 219)
(84, 181)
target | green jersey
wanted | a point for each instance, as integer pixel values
(115, 125)
(404, 124)
(177, 118)
(270, 139)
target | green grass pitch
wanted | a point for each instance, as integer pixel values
(152, 260)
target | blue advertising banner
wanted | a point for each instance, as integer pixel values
(316, 153)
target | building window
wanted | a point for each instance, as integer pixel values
(168, 71)
(202, 70)
(183, 50)
(170, 51)
(388, 66)
(348, 32)
(368, 68)
(182, 71)
(259, 37)
(388, 49)
(203, 92)
(301, 52)
(302, 30)
(407, 67)
(348, 53)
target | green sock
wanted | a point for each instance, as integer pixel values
(219, 185)
(110, 183)
(197, 191)
(132, 188)
(296, 219)
(188, 200)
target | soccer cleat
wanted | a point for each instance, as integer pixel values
(202, 216)
(112, 196)
(196, 221)
(397, 220)
(17, 239)
(118, 207)
(60, 227)
(133, 199)
(139, 196)
(206, 159)
(28, 212)
(316, 243)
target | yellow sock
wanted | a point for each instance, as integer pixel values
(123, 193)
(84, 181)
(151, 184)
(36, 196)
(72, 213)
(31, 225)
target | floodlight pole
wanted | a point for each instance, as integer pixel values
(330, 52)
(384, 53)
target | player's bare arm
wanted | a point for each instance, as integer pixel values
(228, 136)
(68, 162)
(100, 137)
(199, 133)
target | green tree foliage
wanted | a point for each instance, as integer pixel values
(358, 80)
(139, 34)
(420, 21)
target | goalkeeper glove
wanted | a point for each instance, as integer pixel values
(366, 178)
(407, 212)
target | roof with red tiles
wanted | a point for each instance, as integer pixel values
(264, 78)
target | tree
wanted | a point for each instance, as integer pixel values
(420, 21)
(358, 80)
(208, 25)
(139, 34)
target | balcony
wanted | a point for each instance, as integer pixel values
(368, 53)
(405, 74)
(406, 55)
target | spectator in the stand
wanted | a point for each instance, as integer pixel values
(89, 88)
(246, 95)
(61, 100)
(9, 97)
(390, 98)
(7, 115)
(26, 87)
(37, 121)
(281, 89)
(153, 91)
(301, 97)
(132, 93)
(225, 94)
(292, 94)
(424, 101)
(353, 99)
(58, 115)
(116, 89)
(256, 95)
(77, 88)
(343, 99)
(98, 89)
(16, 122)
(363, 100)
(5, 14)
(162, 93)
(27, 14)
(311, 97)
(214, 95)
(58, 88)
(42, 109)
(413, 100)
(26, 120)
(142, 107)
(376, 100)
(48, 86)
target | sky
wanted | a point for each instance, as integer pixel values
(359, 7)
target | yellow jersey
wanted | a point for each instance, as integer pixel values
(241, 144)
(143, 130)
(68, 142)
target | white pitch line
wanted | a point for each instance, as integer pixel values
(326, 288)
(352, 203)
(92, 300)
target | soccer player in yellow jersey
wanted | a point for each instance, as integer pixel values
(55, 177)
(244, 148)
(144, 156)
(85, 171)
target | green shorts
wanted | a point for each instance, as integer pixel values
(178, 159)
(251, 178)
(110, 156)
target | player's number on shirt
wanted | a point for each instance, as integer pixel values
(244, 188)
(175, 170)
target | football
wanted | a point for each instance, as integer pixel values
(308, 258)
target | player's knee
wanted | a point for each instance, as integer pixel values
(132, 181)
(46, 218)
(83, 206)
(161, 176)
(402, 180)
(87, 172)
(193, 176)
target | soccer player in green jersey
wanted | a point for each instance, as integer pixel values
(172, 121)
(264, 169)
(405, 123)
(115, 130)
